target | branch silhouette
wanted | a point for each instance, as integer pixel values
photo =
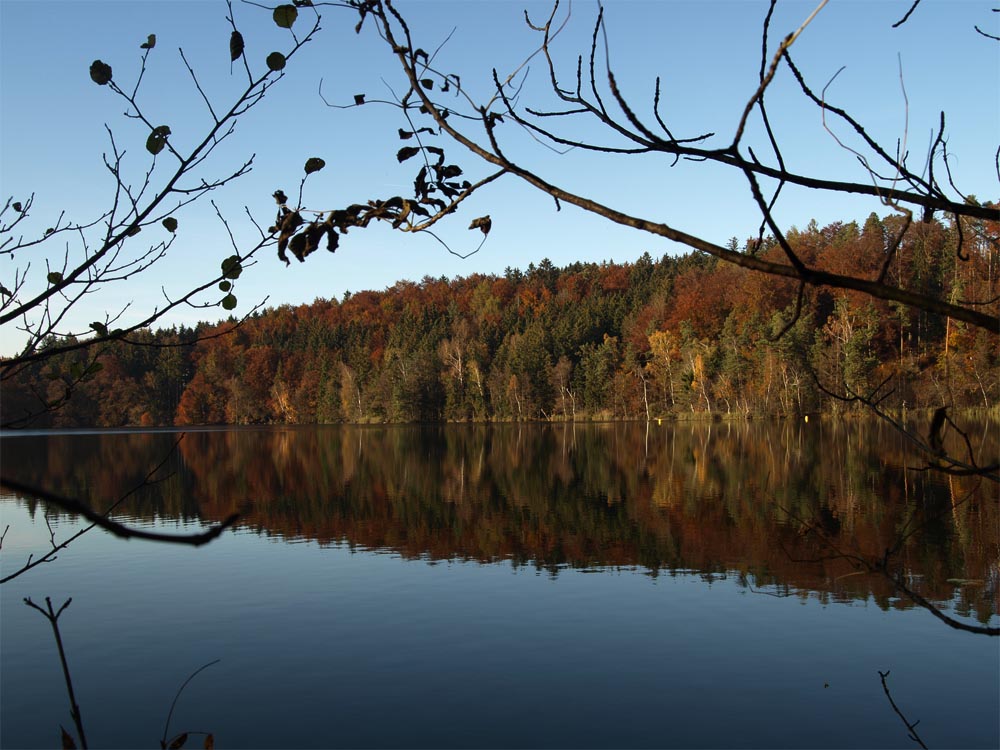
(102, 520)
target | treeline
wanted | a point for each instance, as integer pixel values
(655, 338)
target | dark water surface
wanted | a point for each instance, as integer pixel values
(535, 586)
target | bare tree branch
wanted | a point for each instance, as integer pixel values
(122, 531)
(911, 728)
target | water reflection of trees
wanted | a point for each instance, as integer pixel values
(716, 498)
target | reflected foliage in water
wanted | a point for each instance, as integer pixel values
(665, 498)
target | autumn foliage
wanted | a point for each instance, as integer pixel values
(650, 339)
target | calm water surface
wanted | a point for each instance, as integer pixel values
(603, 586)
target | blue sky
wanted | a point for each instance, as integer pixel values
(52, 130)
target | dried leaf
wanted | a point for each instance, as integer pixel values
(314, 164)
(359, 99)
(483, 224)
(54, 277)
(427, 83)
(178, 743)
(209, 742)
(149, 43)
(290, 220)
(170, 224)
(406, 152)
(100, 73)
(235, 46)
(405, 135)
(16, 206)
(68, 743)
(404, 212)
(420, 183)
(280, 197)
(298, 246)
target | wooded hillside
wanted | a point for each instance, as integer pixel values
(655, 338)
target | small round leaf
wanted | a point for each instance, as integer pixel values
(276, 61)
(314, 164)
(285, 15)
(54, 277)
(225, 286)
(157, 139)
(229, 302)
(100, 73)
(170, 224)
(231, 267)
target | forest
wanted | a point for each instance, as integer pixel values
(681, 336)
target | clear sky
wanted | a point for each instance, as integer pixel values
(52, 126)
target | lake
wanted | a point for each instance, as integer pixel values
(610, 585)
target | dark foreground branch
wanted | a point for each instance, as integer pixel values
(102, 520)
(72, 505)
(949, 621)
(74, 709)
(880, 566)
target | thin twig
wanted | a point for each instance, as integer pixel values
(166, 726)
(53, 617)
(911, 728)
